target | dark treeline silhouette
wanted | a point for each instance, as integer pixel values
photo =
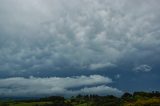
(52, 98)
(95, 100)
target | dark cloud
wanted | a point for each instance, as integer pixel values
(58, 34)
(53, 37)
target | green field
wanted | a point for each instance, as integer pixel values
(127, 99)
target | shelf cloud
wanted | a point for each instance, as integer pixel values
(64, 86)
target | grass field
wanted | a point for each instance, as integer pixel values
(29, 104)
(145, 102)
(24, 103)
(135, 99)
(139, 102)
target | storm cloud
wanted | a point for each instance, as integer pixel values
(79, 37)
(56, 34)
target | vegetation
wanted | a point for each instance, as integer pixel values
(127, 99)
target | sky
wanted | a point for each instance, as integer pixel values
(70, 47)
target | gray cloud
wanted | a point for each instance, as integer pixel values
(101, 90)
(72, 37)
(52, 35)
(143, 68)
(94, 84)
(99, 66)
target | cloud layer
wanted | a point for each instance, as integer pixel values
(52, 34)
(68, 86)
(67, 38)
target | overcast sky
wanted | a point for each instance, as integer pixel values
(81, 46)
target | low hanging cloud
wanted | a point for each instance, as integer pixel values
(67, 86)
(58, 34)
